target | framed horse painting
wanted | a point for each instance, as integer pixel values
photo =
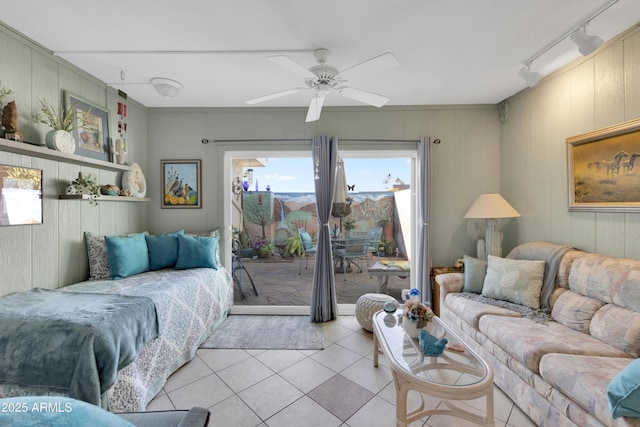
(602, 174)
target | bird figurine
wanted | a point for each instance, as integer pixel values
(430, 345)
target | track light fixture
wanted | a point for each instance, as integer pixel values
(531, 78)
(586, 43)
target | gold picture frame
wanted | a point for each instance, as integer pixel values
(601, 171)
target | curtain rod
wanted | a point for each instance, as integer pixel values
(207, 141)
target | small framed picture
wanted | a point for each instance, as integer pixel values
(181, 184)
(90, 128)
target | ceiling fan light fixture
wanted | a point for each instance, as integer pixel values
(531, 78)
(166, 87)
(586, 44)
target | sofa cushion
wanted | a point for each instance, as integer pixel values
(528, 341)
(512, 280)
(474, 271)
(98, 256)
(623, 392)
(128, 255)
(617, 327)
(584, 379)
(213, 233)
(612, 280)
(163, 250)
(196, 252)
(471, 311)
(575, 310)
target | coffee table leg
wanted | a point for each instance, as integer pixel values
(376, 350)
(382, 284)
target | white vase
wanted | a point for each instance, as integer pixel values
(411, 327)
(60, 140)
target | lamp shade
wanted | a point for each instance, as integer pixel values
(491, 206)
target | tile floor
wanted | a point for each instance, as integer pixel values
(337, 386)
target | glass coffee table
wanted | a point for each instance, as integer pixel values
(455, 375)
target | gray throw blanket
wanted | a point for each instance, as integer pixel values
(538, 316)
(75, 342)
(551, 253)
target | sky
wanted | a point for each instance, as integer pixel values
(284, 175)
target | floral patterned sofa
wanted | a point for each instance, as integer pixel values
(557, 369)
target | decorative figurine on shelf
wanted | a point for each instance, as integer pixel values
(10, 122)
(119, 149)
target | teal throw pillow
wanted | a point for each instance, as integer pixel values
(55, 411)
(474, 271)
(306, 240)
(514, 280)
(163, 250)
(623, 392)
(128, 255)
(196, 252)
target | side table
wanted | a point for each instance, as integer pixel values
(435, 289)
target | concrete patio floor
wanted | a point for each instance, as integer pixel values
(278, 283)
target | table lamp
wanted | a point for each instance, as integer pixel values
(491, 207)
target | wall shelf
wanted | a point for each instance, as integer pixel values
(46, 153)
(105, 198)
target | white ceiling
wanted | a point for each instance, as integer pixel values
(450, 51)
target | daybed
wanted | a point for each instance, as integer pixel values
(555, 364)
(190, 303)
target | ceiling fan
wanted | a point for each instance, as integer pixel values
(322, 78)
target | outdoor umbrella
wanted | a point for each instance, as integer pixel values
(341, 204)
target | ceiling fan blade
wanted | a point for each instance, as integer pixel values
(291, 65)
(275, 95)
(315, 107)
(373, 65)
(363, 96)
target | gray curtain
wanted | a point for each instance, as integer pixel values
(423, 260)
(324, 306)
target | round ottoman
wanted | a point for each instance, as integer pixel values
(367, 305)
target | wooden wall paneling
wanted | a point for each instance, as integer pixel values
(71, 259)
(610, 233)
(632, 77)
(45, 86)
(631, 241)
(541, 157)
(45, 236)
(526, 167)
(559, 130)
(509, 176)
(609, 86)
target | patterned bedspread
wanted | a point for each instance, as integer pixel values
(190, 305)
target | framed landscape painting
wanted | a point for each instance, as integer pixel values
(90, 128)
(181, 184)
(602, 176)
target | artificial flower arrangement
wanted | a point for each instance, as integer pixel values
(416, 311)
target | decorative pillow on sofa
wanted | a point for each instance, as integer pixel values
(128, 255)
(98, 256)
(623, 392)
(575, 311)
(196, 252)
(163, 250)
(512, 280)
(474, 271)
(212, 233)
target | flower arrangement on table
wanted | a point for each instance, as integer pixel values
(417, 311)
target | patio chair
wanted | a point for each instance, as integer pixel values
(355, 248)
(309, 247)
(374, 236)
